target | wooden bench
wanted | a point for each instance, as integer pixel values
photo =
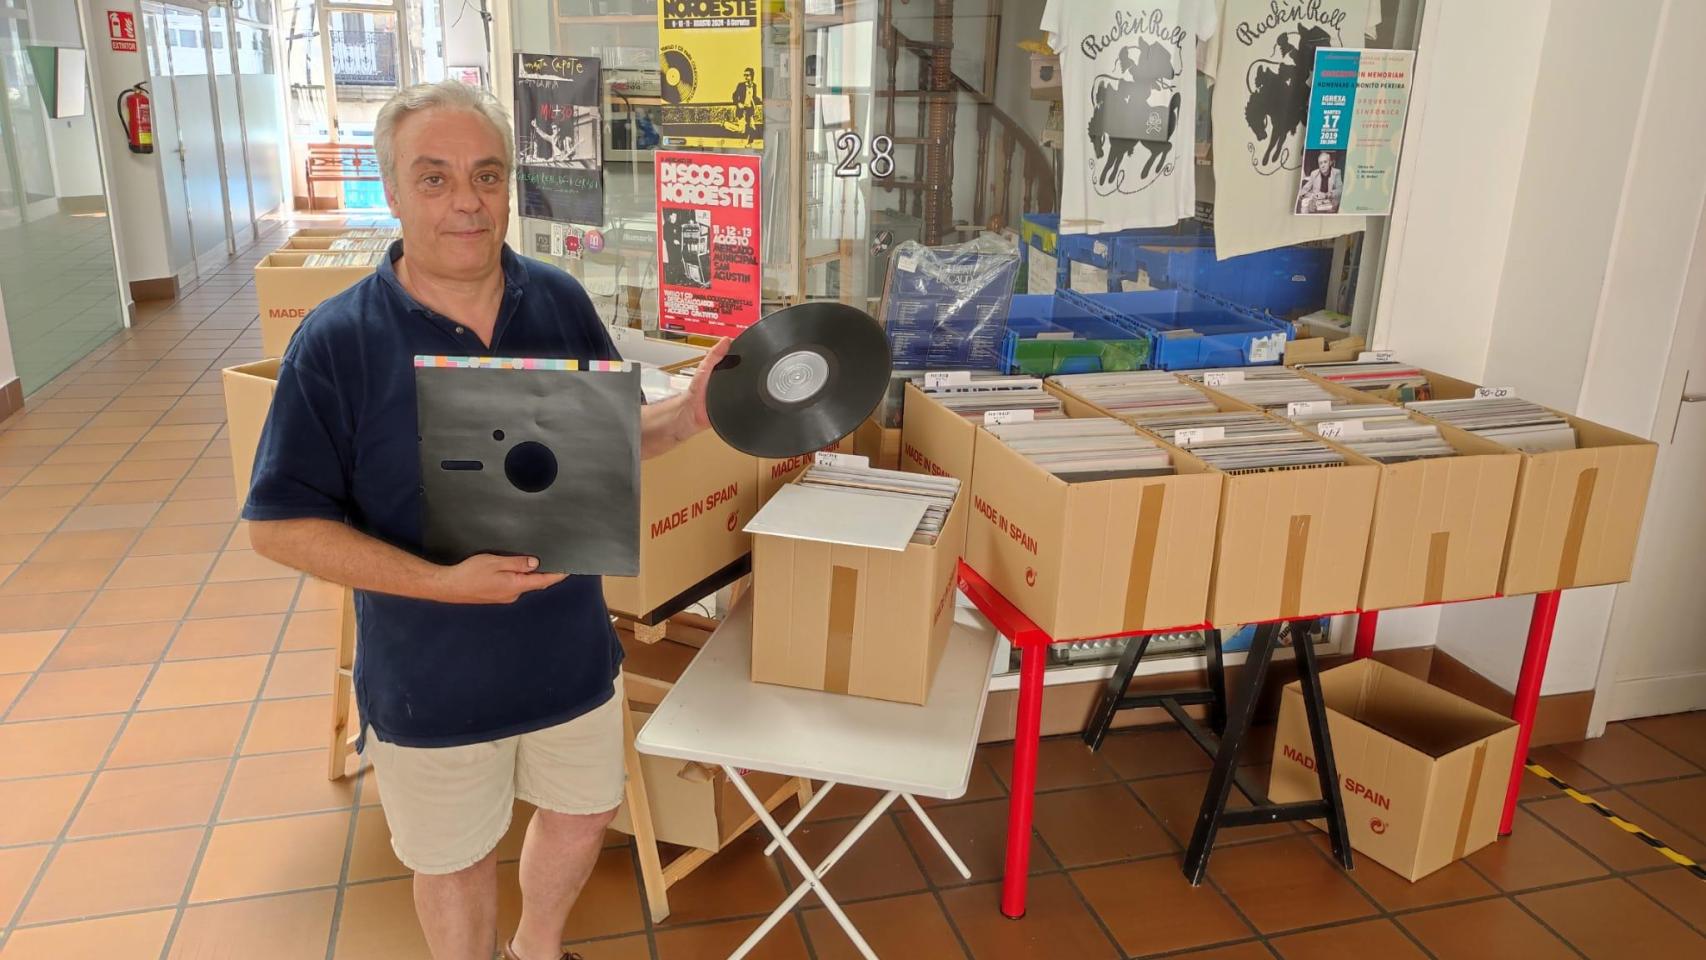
(339, 162)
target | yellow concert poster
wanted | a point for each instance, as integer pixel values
(710, 53)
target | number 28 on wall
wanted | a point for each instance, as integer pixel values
(852, 145)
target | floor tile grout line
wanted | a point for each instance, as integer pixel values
(929, 884)
(94, 777)
(211, 825)
(349, 856)
(1653, 740)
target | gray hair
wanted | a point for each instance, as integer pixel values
(448, 95)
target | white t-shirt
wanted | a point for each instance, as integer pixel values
(1262, 64)
(1128, 67)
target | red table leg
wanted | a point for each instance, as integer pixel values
(1367, 623)
(1027, 735)
(1528, 694)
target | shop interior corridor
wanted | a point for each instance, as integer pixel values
(62, 296)
(164, 702)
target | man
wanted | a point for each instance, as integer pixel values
(489, 679)
(746, 102)
(1321, 188)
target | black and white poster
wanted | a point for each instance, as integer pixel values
(1128, 79)
(1262, 64)
(559, 133)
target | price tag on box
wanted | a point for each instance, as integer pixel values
(850, 460)
(996, 417)
(1339, 429)
(1298, 408)
(1375, 356)
(1494, 393)
(1220, 378)
(937, 379)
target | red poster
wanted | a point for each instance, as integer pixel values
(710, 278)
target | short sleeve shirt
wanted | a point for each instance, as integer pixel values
(340, 444)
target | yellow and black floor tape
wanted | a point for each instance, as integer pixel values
(1621, 824)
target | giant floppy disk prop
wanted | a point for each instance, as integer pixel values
(531, 457)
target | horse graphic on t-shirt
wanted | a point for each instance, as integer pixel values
(1149, 71)
(1278, 101)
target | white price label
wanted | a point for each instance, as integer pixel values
(1298, 408)
(1191, 436)
(1375, 356)
(826, 459)
(619, 334)
(1494, 393)
(1043, 273)
(1087, 278)
(1056, 335)
(1339, 429)
(1268, 348)
(907, 263)
(1220, 378)
(1101, 248)
(936, 379)
(995, 417)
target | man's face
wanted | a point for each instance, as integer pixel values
(1325, 164)
(451, 193)
(748, 74)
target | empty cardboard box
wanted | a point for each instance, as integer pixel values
(858, 620)
(1095, 558)
(695, 501)
(248, 396)
(286, 290)
(878, 444)
(1422, 771)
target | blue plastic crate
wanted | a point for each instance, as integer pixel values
(1082, 343)
(1219, 336)
(1284, 281)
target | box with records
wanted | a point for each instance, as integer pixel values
(1443, 506)
(287, 287)
(1091, 528)
(773, 475)
(942, 414)
(1580, 494)
(853, 580)
(1294, 509)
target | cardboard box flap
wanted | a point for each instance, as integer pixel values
(829, 516)
(1417, 714)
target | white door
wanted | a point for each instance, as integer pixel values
(1656, 653)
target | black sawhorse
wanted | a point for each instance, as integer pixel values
(1223, 741)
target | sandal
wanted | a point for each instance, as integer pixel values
(505, 953)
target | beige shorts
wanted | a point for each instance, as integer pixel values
(448, 807)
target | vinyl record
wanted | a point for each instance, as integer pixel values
(679, 81)
(799, 380)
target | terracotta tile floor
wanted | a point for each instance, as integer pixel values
(163, 693)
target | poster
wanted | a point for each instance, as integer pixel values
(710, 278)
(710, 53)
(1357, 105)
(559, 129)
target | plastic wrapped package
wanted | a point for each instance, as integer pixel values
(945, 308)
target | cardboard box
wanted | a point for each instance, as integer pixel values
(248, 396)
(1440, 524)
(1291, 543)
(1422, 771)
(1322, 350)
(286, 290)
(1577, 513)
(934, 439)
(773, 475)
(1096, 558)
(694, 503)
(878, 444)
(871, 623)
(693, 804)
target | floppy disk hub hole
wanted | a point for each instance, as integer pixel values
(497, 435)
(530, 466)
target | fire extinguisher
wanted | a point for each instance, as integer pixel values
(137, 117)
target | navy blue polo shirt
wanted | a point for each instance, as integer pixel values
(340, 444)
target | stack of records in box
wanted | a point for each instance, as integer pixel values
(1087, 448)
(974, 398)
(363, 243)
(1266, 387)
(1405, 379)
(392, 232)
(1138, 393)
(345, 258)
(936, 494)
(1375, 430)
(1245, 442)
(1511, 421)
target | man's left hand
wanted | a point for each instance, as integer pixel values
(701, 379)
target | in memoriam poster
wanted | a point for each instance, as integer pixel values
(1357, 104)
(710, 276)
(559, 132)
(711, 55)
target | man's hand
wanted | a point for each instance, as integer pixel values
(485, 578)
(701, 378)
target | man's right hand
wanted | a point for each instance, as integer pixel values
(485, 578)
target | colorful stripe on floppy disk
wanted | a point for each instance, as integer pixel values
(524, 363)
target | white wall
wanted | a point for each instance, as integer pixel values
(8, 366)
(465, 35)
(1513, 218)
(76, 157)
(138, 206)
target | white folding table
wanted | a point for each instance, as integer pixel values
(715, 714)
